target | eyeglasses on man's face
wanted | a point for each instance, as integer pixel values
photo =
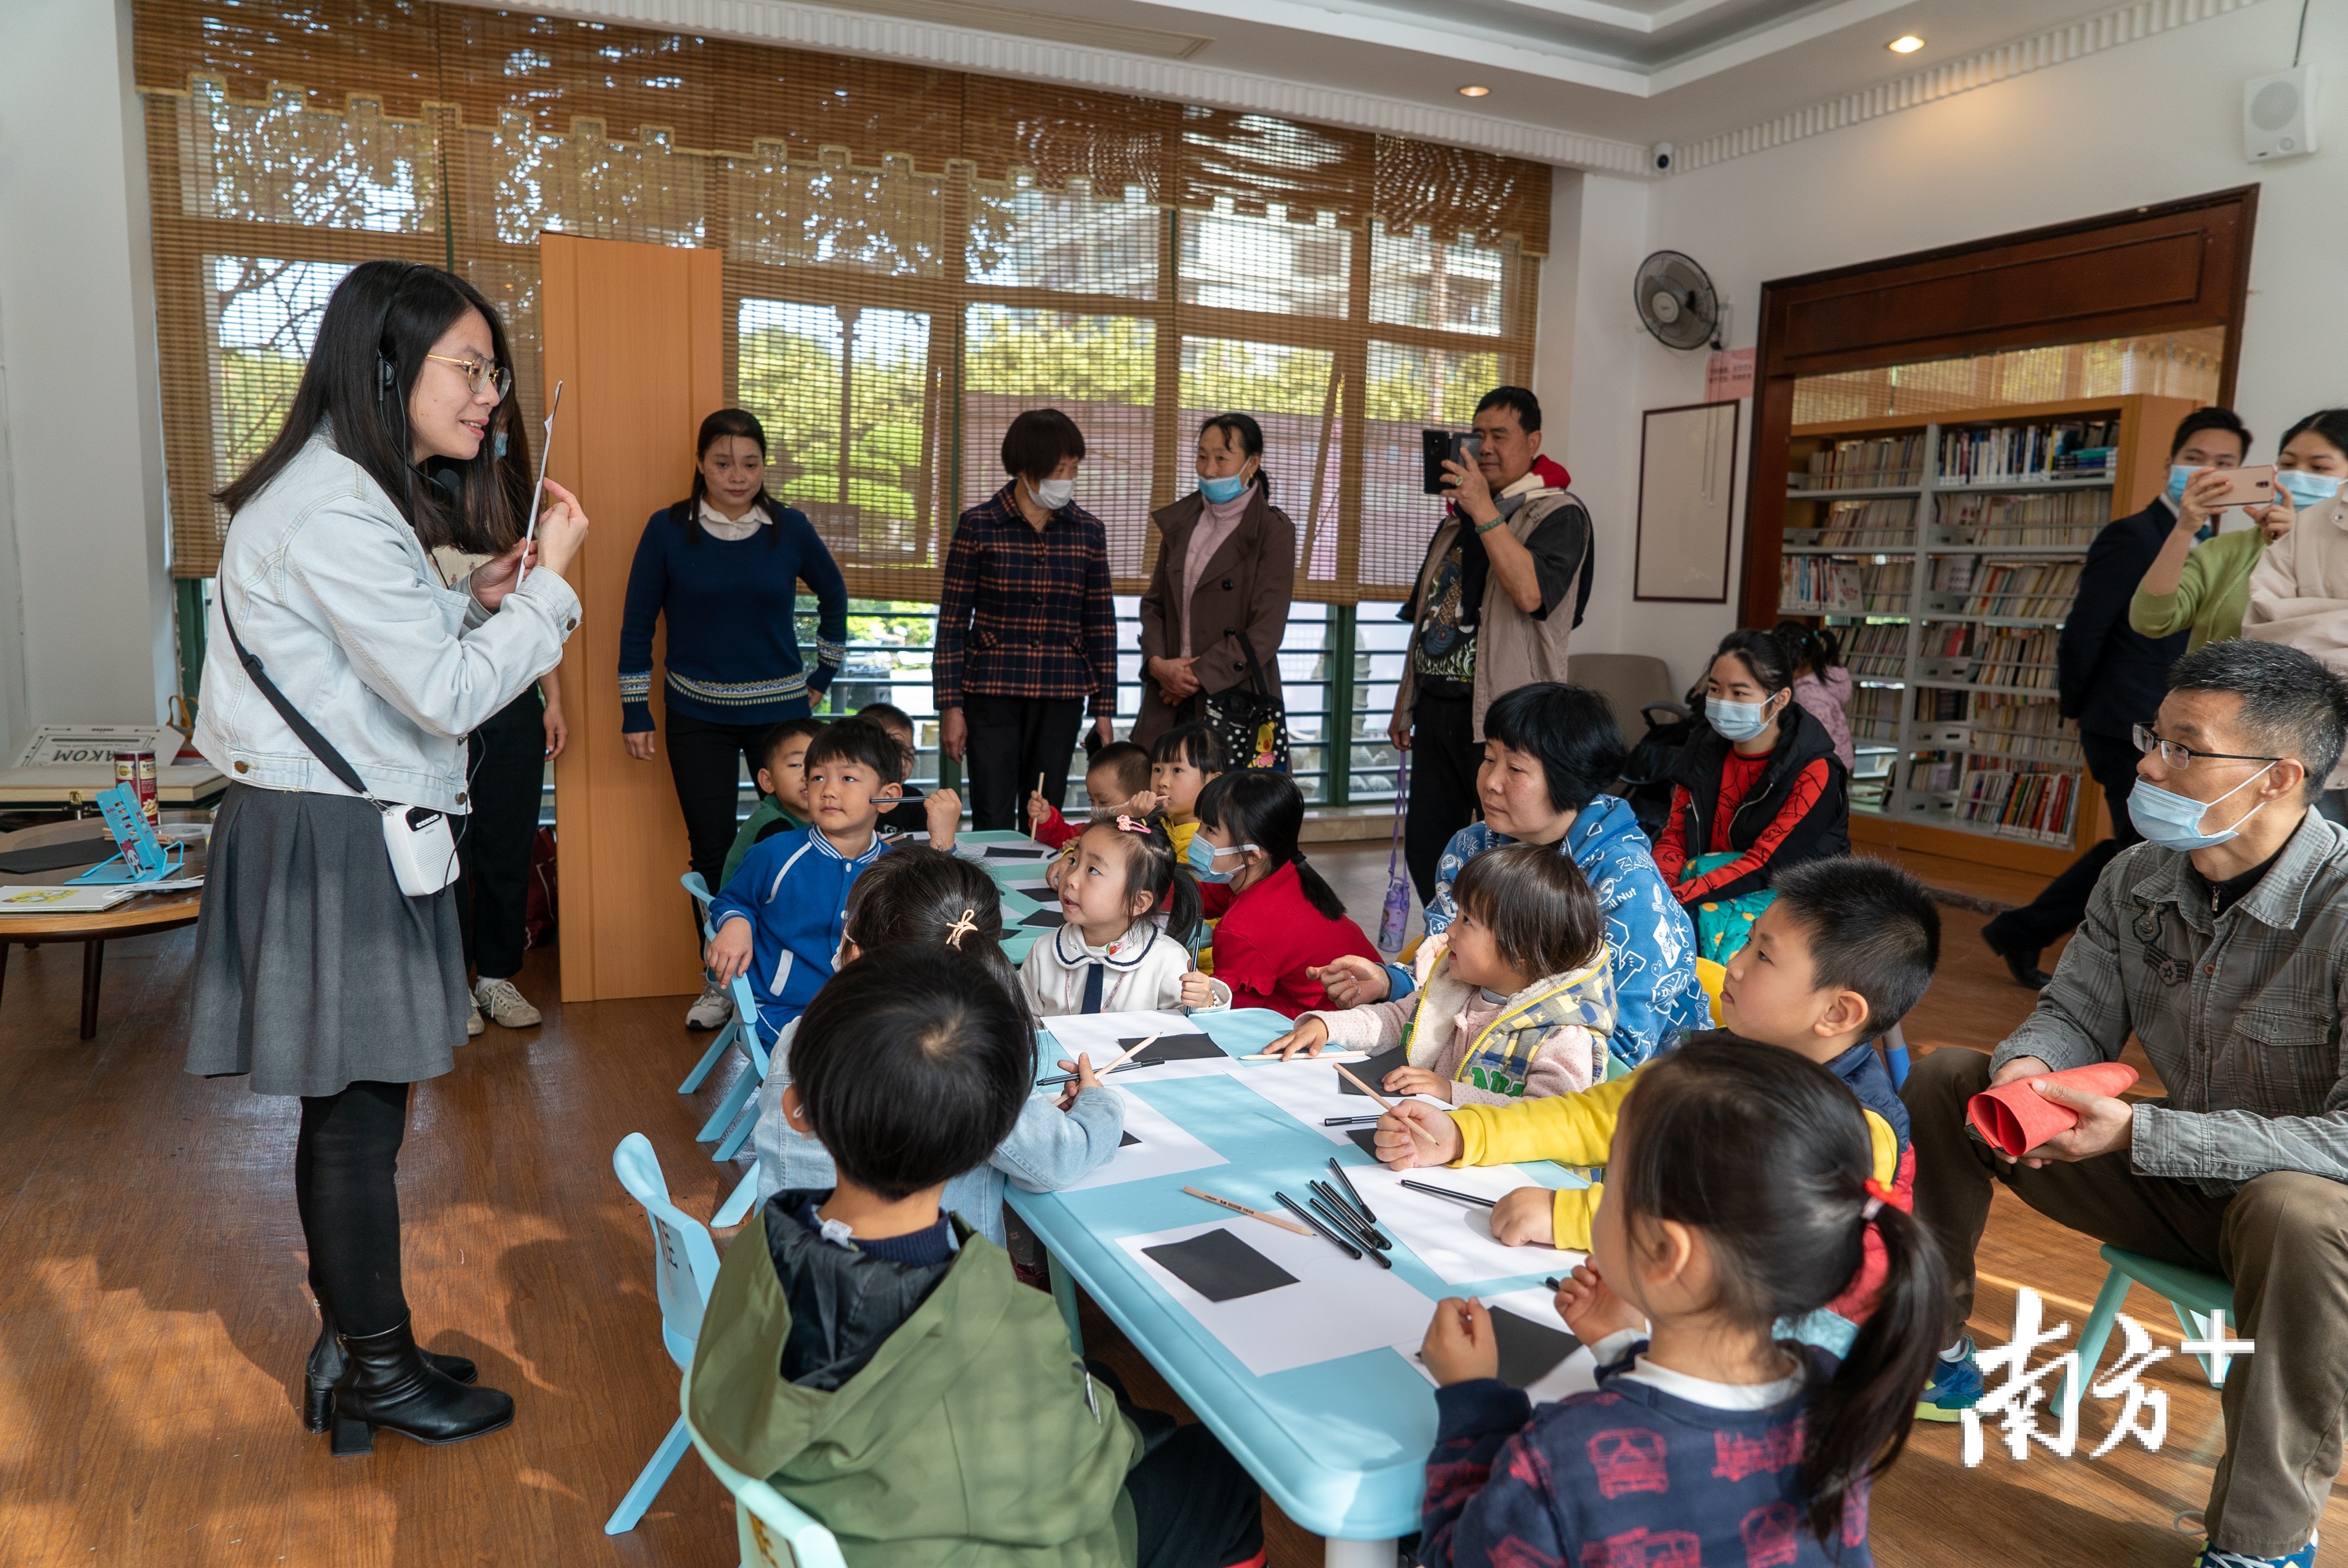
(479, 375)
(2178, 757)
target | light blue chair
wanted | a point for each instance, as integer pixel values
(735, 1026)
(685, 1267)
(770, 1532)
(746, 1084)
(2195, 1298)
(1895, 1056)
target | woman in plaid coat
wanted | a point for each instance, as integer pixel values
(1026, 631)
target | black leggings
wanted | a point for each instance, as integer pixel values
(1193, 1505)
(346, 1170)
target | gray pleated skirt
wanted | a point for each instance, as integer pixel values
(312, 969)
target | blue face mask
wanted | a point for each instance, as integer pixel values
(2179, 476)
(2174, 821)
(1737, 721)
(1203, 859)
(1226, 487)
(2307, 489)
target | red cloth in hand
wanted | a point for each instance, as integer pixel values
(2016, 1118)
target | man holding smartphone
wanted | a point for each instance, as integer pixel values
(1489, 612)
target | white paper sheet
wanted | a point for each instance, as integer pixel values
(1337, 1307)
(1164, 1149)
(1098, 1034)
(1307, 1088)
(1577, 1374)
(1455, 1240)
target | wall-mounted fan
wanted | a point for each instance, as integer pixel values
(1675, 301)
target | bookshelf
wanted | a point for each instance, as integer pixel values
(1945, 553)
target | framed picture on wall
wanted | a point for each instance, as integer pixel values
(1687, 466)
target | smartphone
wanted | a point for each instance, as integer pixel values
(2247, 487)
(1438, 446)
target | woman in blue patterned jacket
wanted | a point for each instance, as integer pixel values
(723, 565)
(1549, 752)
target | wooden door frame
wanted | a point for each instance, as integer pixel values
(2225, 219)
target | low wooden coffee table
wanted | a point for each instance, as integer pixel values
(150, 913)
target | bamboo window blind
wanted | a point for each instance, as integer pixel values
(911, 256)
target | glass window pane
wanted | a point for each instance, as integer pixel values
(1410, 388)
(282, 162)
(1025, 236)
(826, 211)
(265, 316)
(1233, 262)
(1288, 390)
(1418, 281)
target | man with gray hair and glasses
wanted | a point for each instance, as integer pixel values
(2222, 943)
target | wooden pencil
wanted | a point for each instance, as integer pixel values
(1286, 1225)
(1421, 1133)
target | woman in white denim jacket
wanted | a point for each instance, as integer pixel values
(370, 572)
(921, 894)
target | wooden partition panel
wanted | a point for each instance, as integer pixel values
(636, 333)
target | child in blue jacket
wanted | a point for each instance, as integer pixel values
(780, 917)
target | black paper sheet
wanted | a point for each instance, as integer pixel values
(1127, 1140)
(57, 857)
(1044, 919)
(1529, 1351)
(1220, 1267)
(1367, 1137)
(1373, 1072)
(1016, 852)
(1172, 1048)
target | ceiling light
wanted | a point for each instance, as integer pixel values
(1908, 43)
(1475, 92)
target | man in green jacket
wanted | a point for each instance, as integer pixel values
(877, 1361)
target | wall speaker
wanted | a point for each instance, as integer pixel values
(2278, 115)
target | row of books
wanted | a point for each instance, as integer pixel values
(2003, 518)
(2040, 451)
(2025, 589)
(2006, 657)
(1866, 464)
(1819, 585)
(2021, 801)
(2062, 750)
(1878, 652)
(1887, 522)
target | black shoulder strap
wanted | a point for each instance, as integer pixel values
(1588, 563)
(320, 747)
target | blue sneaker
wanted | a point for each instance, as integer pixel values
(2212, 1558)
(1956, 1386)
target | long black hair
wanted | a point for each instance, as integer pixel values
(2332, 424)
(1152, 868)
(380, 322)
(716, 427)
(1815, 646)
(1258, 806)
(918, 895)
(1763, 653)
(1244, 429)
(1703, 1118)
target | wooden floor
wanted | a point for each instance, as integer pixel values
(153, 1318)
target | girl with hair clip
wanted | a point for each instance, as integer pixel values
(1821, 685)
(1708, 1438)
(1277, 920)
(1109, 955)
(723, 567)
(918, 894)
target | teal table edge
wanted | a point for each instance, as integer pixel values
(1338, 1503)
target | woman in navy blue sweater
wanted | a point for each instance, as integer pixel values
(725, 565)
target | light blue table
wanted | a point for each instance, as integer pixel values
(1017, 906)
(1341, 1446)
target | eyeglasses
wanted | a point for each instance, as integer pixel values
(481, 377)
(2176, 755)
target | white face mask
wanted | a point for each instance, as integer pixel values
(1053, 494)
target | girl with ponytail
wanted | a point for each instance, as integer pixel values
(1110, 953)
(1278, 921)
(1706, 1432)
(916, 896)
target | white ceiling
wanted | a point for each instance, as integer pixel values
(1636, 70)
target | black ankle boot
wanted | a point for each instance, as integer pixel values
(325, 1369)
(388, 1382)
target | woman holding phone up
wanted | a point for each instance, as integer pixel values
(2298, 590)
(369, 580)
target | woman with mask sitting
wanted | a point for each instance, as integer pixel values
(1756, 789)
(2298, 590)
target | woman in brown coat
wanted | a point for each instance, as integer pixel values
(1226, 562)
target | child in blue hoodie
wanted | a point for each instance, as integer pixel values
(1549, 752)
(779, 919)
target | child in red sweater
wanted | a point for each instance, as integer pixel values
(1118, 772)
(1279, 920)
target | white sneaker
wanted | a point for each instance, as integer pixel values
(507, 1006)
(713, 1009)
(473, 1024)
